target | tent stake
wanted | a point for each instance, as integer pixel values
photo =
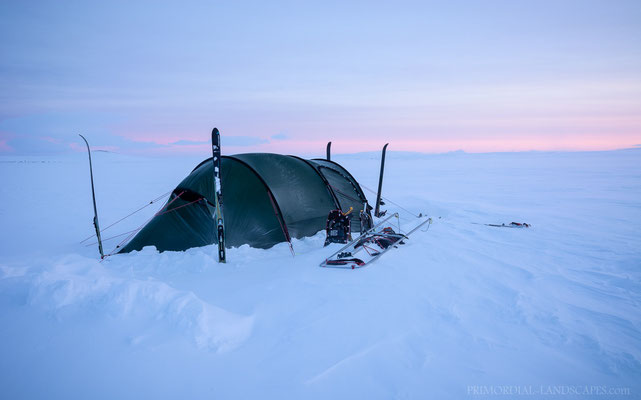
(93, 195)
(377, 210)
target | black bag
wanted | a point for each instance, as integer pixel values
(338, 227)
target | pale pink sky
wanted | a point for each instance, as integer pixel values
(287, 78)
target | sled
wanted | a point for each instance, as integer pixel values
(369, 246)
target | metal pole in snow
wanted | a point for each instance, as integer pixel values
(93, 195)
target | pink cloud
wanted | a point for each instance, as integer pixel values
(78, 147)
(4, 147)
(51, 139)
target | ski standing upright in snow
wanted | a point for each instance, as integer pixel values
(93, 195)
(377, 209)
(220, 223)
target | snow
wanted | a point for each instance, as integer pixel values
(459, 310)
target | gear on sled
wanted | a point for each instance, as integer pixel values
(383, 239)
(338, 227)
(370, 245)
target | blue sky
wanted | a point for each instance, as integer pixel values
(155, 77)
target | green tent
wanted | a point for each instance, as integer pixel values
(267, 199)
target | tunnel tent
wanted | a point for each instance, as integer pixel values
(267, 199)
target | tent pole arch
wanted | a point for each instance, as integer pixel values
(329, 187)
(277, 211)
(206, 161)
(353, 181)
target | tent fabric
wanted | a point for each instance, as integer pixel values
(348, 192)
(267, 198)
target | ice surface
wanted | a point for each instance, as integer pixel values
(461, 305)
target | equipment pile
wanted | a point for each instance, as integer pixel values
(375, 242)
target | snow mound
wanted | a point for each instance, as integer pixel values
(77, 285)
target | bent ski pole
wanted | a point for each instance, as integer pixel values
(93, 195)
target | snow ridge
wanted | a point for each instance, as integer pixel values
(76, 285)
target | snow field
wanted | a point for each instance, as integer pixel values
(459, 305)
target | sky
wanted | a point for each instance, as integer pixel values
(154, 77)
